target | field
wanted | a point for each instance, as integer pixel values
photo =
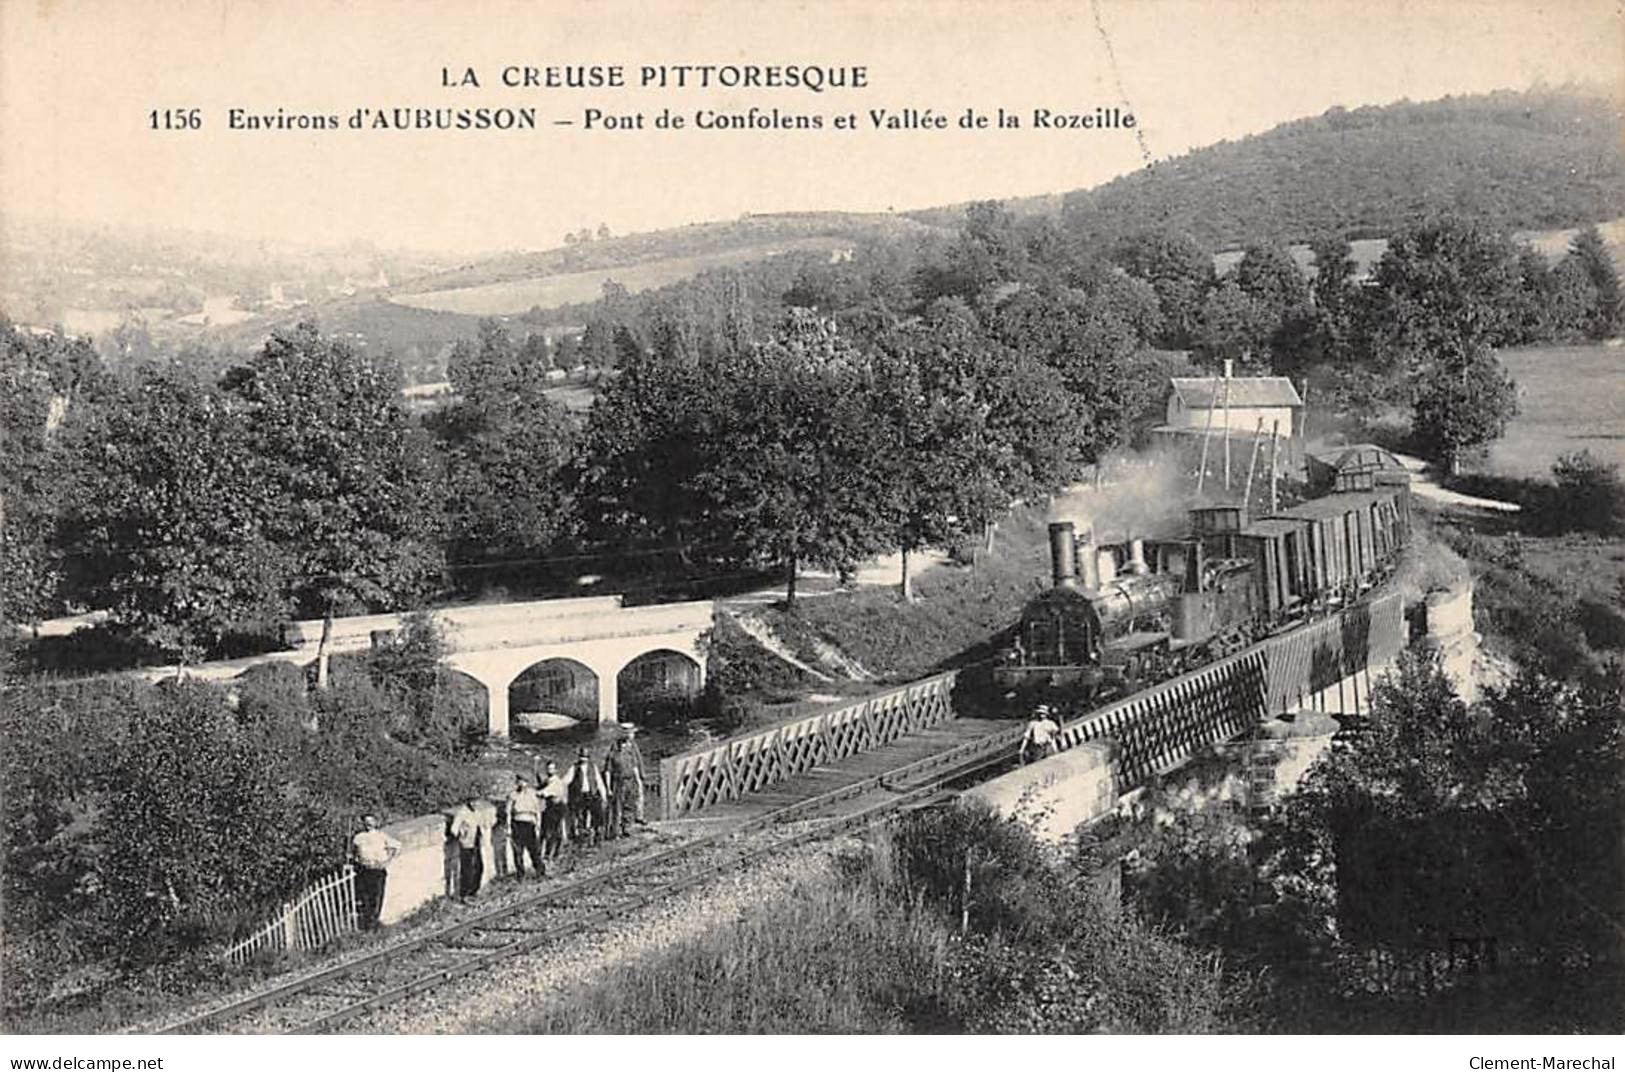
(1571, 398)
(549, 291)
(1368, 251)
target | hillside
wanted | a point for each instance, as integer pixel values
(1523, 161)
(697, 240)
(419, 318)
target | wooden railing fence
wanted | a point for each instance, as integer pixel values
(727, 771)
(320, 914)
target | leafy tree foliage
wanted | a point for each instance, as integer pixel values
(1180, 272)
(352, 505)
(797, 475)
(988, 252)
(1499, 822)
(1444, 289)
(1234, 327)
(1461, 404)
(933, 394)
(429, 708)
(505, 447)
(171, 530)
(1604, 312)
(1589, 494)
(1444, 294)
(48, 384)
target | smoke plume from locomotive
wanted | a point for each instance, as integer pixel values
(1139, 494)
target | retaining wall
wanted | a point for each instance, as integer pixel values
(426, 867)
(1057, 794)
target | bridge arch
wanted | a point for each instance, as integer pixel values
(657, 685)
(558, 685)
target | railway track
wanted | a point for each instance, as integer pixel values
(326, 998)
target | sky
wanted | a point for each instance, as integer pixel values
(80, 79)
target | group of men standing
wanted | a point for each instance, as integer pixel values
(592, 802)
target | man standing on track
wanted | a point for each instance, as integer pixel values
(525, 820)
(466, 831)
(587, 809)
(555, 795)
(371, 850)
(625, 784)
(636, 756)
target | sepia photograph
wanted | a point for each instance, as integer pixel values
(532, 521)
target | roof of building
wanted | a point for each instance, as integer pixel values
(1360, 456)
(1273, 527)
(1330, 505)
(1206, 392)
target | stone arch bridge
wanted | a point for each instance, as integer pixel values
(577, 650)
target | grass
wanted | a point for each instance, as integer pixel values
(512, 297)
(880, 947)
(817, 960)
(957, 612)
(1571, 398)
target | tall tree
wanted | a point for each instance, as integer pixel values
(1179, 270)
(355, 507)
(173, 534)
(794, 476)
(1462, 401)
(1234, 327)
(505, 446)
(1607, 313)
(1272, 279)
(988, 252)
(934, 395)
(1444, 294)
(1088, 343)
(1442, 287)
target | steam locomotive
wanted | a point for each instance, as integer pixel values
(1121, 616)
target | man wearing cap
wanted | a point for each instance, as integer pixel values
(525, 819)
(555, 794)
(370, 851)
(636, 755)
(1040, 738)
(466, 830)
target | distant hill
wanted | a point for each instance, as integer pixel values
(702, 242)
(419, 318)
(1531, 161)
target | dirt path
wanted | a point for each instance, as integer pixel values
(1423, 484)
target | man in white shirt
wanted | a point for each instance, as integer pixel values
(555, 793)
(371, 850)
(525, 820)
(465, 830)
(1040, 738)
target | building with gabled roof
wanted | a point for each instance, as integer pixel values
(1234, 402)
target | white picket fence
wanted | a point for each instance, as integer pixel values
(323, 912)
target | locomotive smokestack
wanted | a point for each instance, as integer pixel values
(1088, 561)
(1062, 567)
(1229, 367)
(1136, 558)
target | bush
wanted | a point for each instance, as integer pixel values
(1015, 889)
(143, 824)
(1589, 497)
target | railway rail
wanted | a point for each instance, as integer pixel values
(326, 998)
